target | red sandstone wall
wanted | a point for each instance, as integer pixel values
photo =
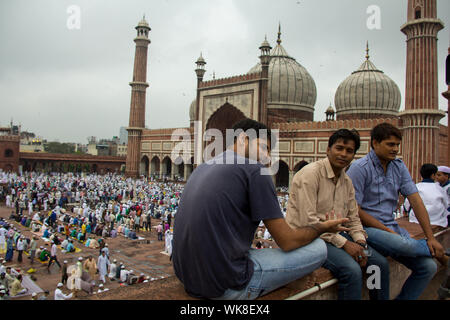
(11, 143)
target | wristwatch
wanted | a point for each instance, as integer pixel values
(363, 245)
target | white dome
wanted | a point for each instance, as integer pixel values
(290, 85)
(367, 92)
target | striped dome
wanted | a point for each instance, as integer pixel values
(367, 92)
(290, 85)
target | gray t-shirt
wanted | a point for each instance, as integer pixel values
(220, 209)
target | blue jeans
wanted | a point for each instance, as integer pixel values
(350, 275)
(274, 268)
(412, 253)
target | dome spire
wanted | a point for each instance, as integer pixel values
(279, 33)
(367, 50)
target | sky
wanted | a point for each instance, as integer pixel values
(66, 79)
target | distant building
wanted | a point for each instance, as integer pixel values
(122, 150)
(30, 143)
(123, 137)
(9, 148)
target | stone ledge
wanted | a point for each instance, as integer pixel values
(172, 289)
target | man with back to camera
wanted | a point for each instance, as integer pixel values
(222, 204)
(324, 186)
(378, 178)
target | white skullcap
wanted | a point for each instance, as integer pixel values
(34, 294)
(100, 285)
(65, 261)
(80, 258)
(59, 285)
(444, 169)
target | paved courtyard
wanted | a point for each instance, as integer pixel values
(142, 256)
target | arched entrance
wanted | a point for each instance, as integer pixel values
(166, 168)
(282, 176)
(143, 168)
(154, 166)
(299, 166)
(223, 118)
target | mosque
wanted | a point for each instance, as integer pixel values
(280, 92)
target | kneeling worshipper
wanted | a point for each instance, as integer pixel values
(16, 287)
(112, 270)
(44, 254)
(70, 247)
(132, 278)
(93, 243)
(123, 274)
(59, 295)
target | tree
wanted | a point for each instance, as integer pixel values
(57, 147)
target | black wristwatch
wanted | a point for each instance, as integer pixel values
(363, 245)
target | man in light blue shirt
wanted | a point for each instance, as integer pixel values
(378, 178)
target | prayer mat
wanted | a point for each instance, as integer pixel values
(30, 285)
(76, 250)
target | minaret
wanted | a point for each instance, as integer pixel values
(420, 120)
(137, 106)
(265, 61)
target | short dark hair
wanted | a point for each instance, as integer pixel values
(345, 135)
(384, 131)
(427, 170)
(246, 124)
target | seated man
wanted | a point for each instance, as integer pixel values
(112, 270)
(378, 178)
(70, 247)
(222, 204)
(322, 187)
(141, 278)
(46, 233)
(123, 274)
(132, 235)
(442, 177)
(132, 278)
(44, 255)
(93, 244)
(80, 236)
(65, 243)
(16, 287)
(74, 233)
(433, 196)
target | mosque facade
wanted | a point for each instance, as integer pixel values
(280, 92)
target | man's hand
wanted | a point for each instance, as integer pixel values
(356, 251)
(332, 223)
(435, 247)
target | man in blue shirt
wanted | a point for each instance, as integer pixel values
(222, 204)
(378, 179)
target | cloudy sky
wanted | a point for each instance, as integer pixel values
(67, 84)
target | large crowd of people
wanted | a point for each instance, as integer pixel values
(69, 210)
